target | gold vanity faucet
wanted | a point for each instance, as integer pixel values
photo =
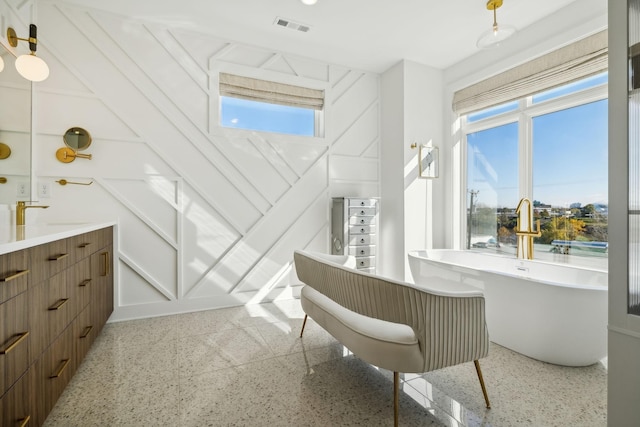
(21, 207)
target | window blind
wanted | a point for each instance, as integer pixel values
(273, 92)
(578, 60)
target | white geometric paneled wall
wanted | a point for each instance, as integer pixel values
(208, 216)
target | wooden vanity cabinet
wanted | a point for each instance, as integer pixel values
(50, 317)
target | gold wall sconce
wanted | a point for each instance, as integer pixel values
(5, 151)
(29, 65)
(75, 139)
(428, 161)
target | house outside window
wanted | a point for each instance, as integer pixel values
(550, 147)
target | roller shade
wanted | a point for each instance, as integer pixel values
(581, 59)
(266, 91)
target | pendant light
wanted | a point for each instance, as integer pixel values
(494, 36)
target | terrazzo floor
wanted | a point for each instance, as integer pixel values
(246, 366)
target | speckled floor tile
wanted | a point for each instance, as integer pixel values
(247, 366)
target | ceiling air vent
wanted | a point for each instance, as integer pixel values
(287, 23)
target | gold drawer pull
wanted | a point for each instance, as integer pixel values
(63, 366)
(24, 421)
(19, 273)
(83, 245)
(17, 339)
(86, 332)
(58, 257)
(105, 256)
(84, 283)
(59, 304)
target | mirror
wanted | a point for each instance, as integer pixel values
(428, 162)
(15, 132)
(77, 139)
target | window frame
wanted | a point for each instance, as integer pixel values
(523, 115)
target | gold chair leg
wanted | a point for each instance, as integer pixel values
(303, 324)
(484, 389)
(396, 404)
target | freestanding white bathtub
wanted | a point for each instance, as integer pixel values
(550, 312)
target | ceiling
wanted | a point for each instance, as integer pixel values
(370, 35)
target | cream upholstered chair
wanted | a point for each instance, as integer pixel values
(393, 325)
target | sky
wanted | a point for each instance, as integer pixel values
(569, 155)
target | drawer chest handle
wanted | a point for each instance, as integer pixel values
(362, 263)
(14, 276)
(17, 339)
(59, 304)
(362, 252)
(24, 421)
(361, 240)
(86, 332)
(63, 366)
(362, 212)
(362, 221)
(84, 283)
(83, 245)
(362, 230)
(58, 257)
(361, 203)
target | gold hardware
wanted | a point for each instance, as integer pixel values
(68, 155)
(304, 322)
(17, 339)
(3, 180)
(63, 366)
(414, 146)
(77, 139)
(526, 236)
(65, 182)
(59, 304)
(24, 421)
(83, 245)
(29, 66)
(19, 273)
(84, 283)
(86, 332)
(5, 151)
(105, 256)
(57, 257)
(484, 389)
(21, 207)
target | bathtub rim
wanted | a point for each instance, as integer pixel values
(602, 288)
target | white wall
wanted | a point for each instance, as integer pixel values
(208, 216)
(412, 99)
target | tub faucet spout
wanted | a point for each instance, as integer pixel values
(21, 209)
(524, 229)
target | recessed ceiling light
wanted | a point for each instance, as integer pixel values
(309, 2)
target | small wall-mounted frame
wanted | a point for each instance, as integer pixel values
(428, 162)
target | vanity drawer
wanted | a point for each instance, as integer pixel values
(53, 310)
(85, 331)
(15, 336)
(80, 284)
(55, 369)
(82, 246)
(48, 260)
(14, 274)
(359, 251)
(18, 405)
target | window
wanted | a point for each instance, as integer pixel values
(552, 149)
(254, 104)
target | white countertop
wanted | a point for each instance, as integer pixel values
(17, 237)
